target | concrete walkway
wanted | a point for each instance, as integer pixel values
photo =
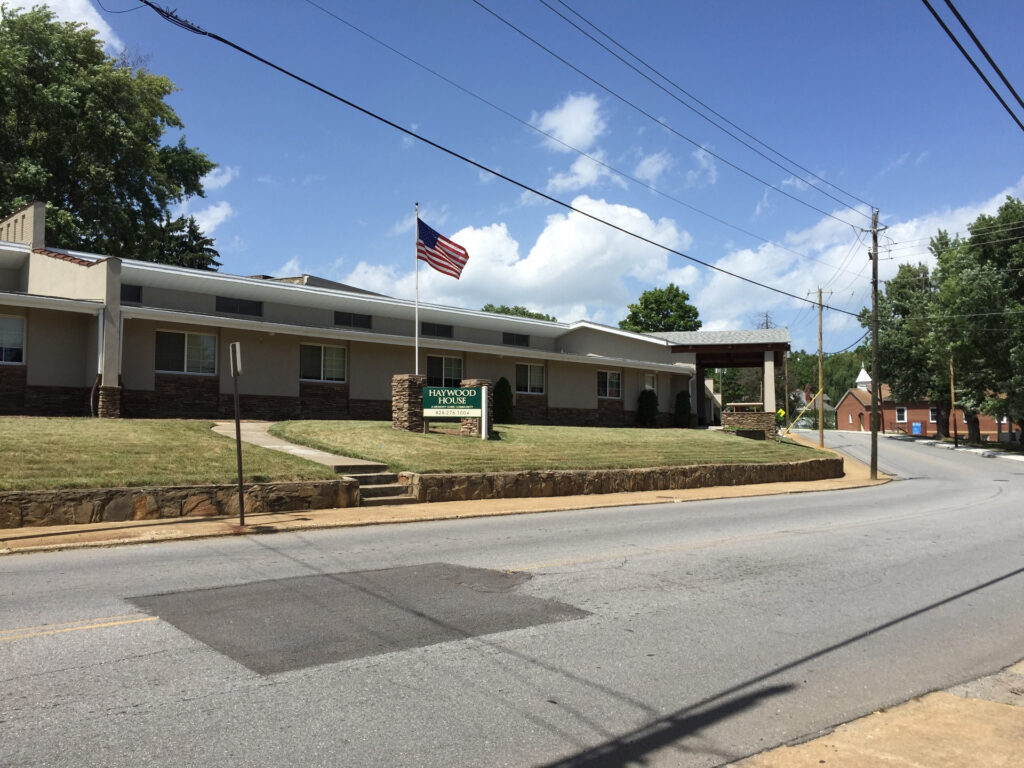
(258, 433)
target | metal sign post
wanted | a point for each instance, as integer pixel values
(235, 354)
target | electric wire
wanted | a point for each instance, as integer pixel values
(702, 115)
(984, 52)
(654, 119)
(557, 140)
(172, 18)
(977, 69)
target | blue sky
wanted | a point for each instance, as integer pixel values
(870, 96)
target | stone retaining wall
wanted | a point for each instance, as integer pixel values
(95, 505)
(508, 485)
(755, 424)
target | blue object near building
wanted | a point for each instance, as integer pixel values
(915, 428)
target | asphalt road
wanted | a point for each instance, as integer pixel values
(678, 634)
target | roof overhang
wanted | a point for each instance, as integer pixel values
(733, 355)
(370, 337)
(35, 301)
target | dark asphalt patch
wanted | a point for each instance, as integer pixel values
(305, 621)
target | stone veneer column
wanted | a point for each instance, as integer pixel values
(471, 427)
(407, 401)
(109, 406)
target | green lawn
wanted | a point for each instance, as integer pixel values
(533, 447)
(44, 453)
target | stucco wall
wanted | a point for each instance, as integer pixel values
(60, 347)
(571, 386)
(371, 367)
(49, 276)
(270, 363)
(589, 341)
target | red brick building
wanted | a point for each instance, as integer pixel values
(853, 414)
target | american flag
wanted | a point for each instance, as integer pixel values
(439, 252)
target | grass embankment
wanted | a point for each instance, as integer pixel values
(532, 447)
(46, 453)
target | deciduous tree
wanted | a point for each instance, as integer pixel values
(662, 309)
(83, 132)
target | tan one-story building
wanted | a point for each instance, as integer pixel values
(85, 334)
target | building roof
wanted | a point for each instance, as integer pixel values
(756, 336)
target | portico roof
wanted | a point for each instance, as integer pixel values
(730, 349)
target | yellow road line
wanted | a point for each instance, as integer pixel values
(10, 634)
(71, 623)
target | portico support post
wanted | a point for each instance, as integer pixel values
(699, 405)
(769, 382)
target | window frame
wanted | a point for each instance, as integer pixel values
(510, 339)
(323, 363)
(444, 361)
(437, 330)
(238, 306)
(24, 341)
(184, 371)
(933, 415)
(133, 289)
(529, 379)
(898, 419)
(654, 386)
(608, 377)
(339, 316)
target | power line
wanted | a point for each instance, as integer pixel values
(984, 52)
(195, 29)
(977, 69)
(696, 111)
(653, 119)
(557, 140)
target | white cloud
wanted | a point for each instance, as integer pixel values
(651, 167)
(577, 268)
(892, 165)
(213, 216)
(82, 10)
(706, 172)
(584, 172)
(219, 177)
(576, 122)
(435, 217)
(290, 268)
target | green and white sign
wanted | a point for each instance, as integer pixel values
(452, 402)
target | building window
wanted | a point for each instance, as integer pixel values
(933, 415)
(239, 306)
(322, 363)
(186, 352)
(529, 378)
(609, 384)
(131, 293)
(436, 329)
(444, 371)
(515, 339)
(353, 320)
(901, 415)
(850, 416)
(12, 340)
(651, 381)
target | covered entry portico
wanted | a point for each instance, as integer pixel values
(762, 349)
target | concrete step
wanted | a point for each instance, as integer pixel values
(388, 489)
(383, 501)
(377, 478)
(362, 468)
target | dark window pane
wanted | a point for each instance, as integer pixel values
(353, 320)
(309, 361)
(515, 339)
(436, 329)
(131, 293)
(239, 306)
(170, 351)
(435, 371)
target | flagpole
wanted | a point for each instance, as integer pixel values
(416, 234)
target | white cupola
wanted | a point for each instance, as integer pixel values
(863, 379)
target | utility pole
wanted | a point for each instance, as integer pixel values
(875, 384)
(821, 379)
(785, 375)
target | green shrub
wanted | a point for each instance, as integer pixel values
(682, 414)
(647, 408)
(504, 405)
